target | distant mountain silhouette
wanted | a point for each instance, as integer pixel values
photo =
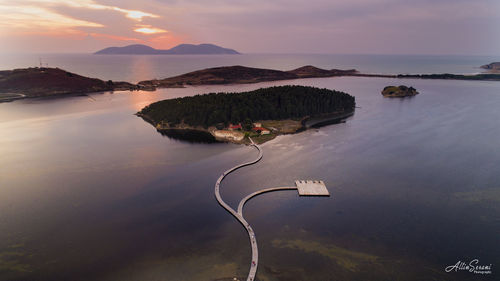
(182, 49)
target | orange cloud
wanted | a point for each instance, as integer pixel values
(135, 15)
(31, 16)
(148, 29)
(79, 35)
(28, 14)
(24, 19)
(90, 4)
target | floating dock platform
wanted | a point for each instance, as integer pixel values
(311, 188)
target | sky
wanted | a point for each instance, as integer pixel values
(467, 27)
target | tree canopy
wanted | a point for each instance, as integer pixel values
(273, 103)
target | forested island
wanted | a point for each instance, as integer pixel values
(399, 91)
(262, 113)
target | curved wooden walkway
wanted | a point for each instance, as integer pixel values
(304, 187)
(248, 197)
(239, 215)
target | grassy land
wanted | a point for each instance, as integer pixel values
(287, 126)
(259, 139)
(277, 127)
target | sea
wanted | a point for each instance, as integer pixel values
(146, 67)
(90, 191)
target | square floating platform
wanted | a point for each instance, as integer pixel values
(311, 188)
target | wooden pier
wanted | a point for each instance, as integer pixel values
(239, 216)
(305, 188)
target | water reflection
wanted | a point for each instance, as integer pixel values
(89, 191)
(192, 136)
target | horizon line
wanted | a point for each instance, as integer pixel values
(252, 53)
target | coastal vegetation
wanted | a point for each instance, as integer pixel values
(399, 91)
(261, 114)
(273, 103)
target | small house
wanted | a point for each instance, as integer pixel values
(261, 130)
(233, 127)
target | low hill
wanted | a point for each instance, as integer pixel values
(310, 71)
(182, 49)
(38, 82)
(222, 75)
(241, 74)
(274, 103)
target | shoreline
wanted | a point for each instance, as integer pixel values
(20, 96)
(217, 76)
(486, 76)
(8, 97)
(210, 134)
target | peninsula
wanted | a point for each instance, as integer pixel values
(182, 49)
(42, 82)
(241, 75)
(261, 114)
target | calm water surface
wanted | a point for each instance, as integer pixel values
(144, 67)
(88, 191)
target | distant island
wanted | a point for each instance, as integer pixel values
(182, 49)
(261, 114)
(399, 91)
(493, 67)
(241, 74)
(42, 82)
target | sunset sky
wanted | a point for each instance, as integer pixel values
(256, 26)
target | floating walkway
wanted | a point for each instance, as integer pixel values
(239, 216)
(305, 188)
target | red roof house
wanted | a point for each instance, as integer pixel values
(261, 130)
(235, 127)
